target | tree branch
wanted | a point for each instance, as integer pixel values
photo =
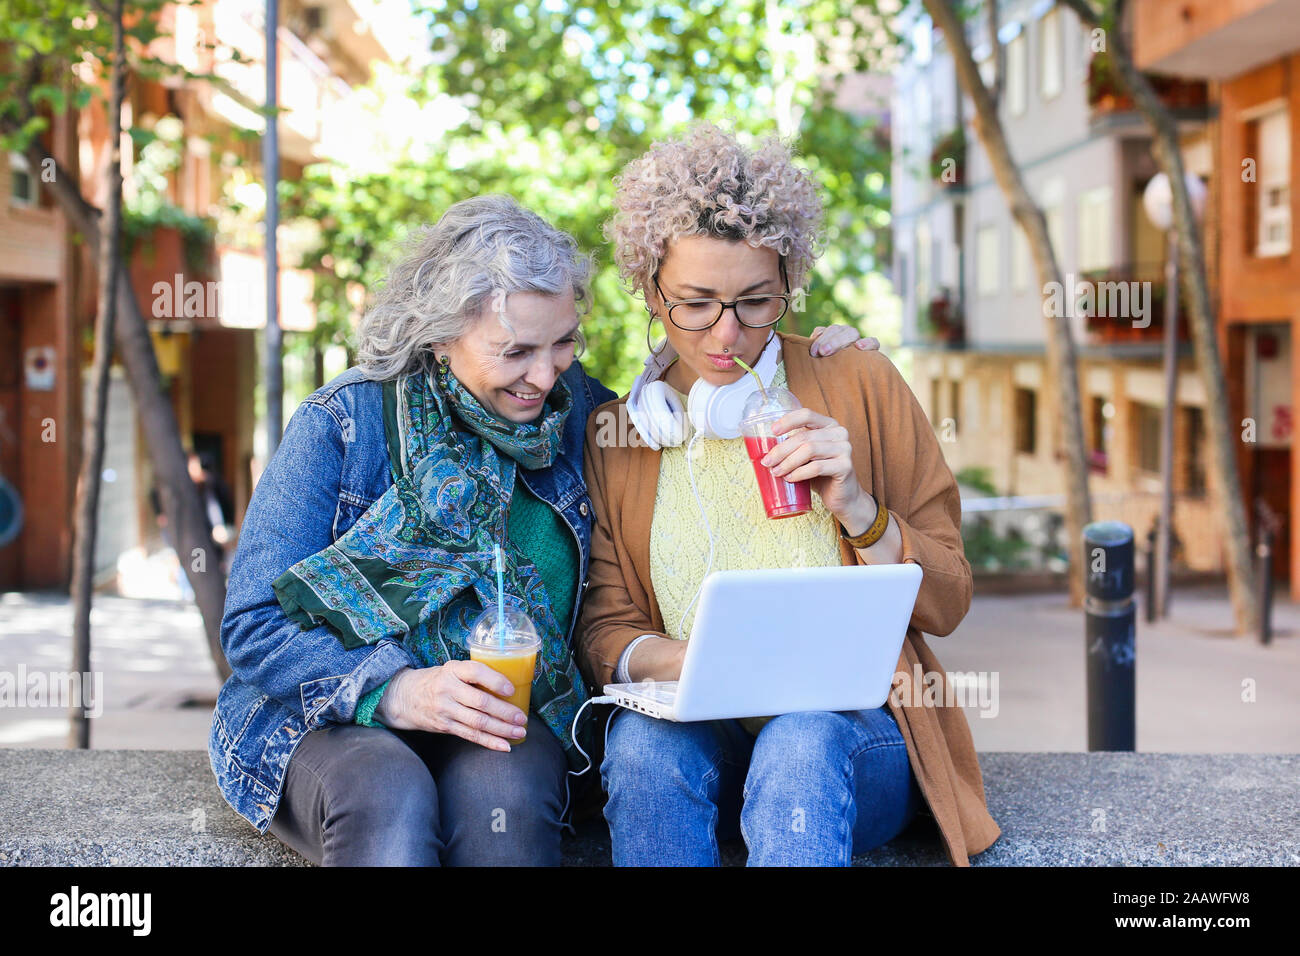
(1084, 11)
(1195, 283)
(995, 46)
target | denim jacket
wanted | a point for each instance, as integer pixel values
(332, 464)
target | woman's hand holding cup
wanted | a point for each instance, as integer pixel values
(454, 698)
(817, 449)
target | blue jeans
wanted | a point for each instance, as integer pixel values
(811, 790)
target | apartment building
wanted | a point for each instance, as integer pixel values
(972, 302)
(196, 264)
(1248, 51)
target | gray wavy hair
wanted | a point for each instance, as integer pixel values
(436, 291)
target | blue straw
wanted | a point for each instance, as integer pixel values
(501, 597)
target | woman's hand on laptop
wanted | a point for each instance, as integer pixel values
(455, 698)
(656, 658)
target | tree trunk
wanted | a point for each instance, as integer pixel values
(86, 520)
(1224, 481)
(179, 496)
(1062, 362)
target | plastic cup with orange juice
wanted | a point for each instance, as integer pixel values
(507, 643)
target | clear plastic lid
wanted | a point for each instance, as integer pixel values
(769, 404)
(519, 631)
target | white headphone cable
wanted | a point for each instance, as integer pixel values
(573, 732)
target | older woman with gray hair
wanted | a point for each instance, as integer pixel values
(354, 727)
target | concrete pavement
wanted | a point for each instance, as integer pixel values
(1199, 690)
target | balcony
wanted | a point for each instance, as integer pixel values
(1212, 39)
(1186, 98)
(173, 267)
(1118, 295)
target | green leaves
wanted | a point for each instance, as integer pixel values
(45, 38)
(558, 96)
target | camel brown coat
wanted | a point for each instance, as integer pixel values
(897, 457)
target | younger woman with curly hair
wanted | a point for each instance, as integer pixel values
(716, 237)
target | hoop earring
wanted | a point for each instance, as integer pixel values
(648, 344)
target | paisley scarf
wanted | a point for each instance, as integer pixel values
(417, 567)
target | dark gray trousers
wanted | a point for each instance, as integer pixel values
(373, 796)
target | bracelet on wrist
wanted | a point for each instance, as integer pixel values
(874, 533)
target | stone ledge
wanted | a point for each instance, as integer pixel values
(162, 808)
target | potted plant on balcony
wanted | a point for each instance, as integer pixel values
(162, 242)
(1106, 90)
(942, 321)
(948, 159)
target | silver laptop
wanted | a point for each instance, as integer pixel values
(786, 640)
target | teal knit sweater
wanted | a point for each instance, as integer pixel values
(546, 541)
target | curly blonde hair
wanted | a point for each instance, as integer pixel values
(707, 183)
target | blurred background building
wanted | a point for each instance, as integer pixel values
(972, 306)
(194, 202)
(1248, 52)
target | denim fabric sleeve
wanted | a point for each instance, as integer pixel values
(599, 392)
(290, 517)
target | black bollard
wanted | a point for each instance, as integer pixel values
(1264, 575)
(1151, 574)
(1109, 630)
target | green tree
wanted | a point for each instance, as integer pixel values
(553, 99)
(55, 56)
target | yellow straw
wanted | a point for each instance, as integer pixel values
(739, 361)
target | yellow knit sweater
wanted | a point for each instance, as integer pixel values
(744, 537)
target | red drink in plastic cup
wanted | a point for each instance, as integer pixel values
(781, 498)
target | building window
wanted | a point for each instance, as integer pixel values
(922, 130)
(1146, 437)
(1273, 145)
(22, 184)
(923, 279)
(987, 278)
(1017, 98)
(936, 389)
(1049, 39)
(973, 414)
(1194, 451)
(1100, 412)
(1051, 196)
(1026, 420)
(1094, 230)
(954, 404)
(1021, 261)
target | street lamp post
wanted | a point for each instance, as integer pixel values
(1158, 201)
(271, 170)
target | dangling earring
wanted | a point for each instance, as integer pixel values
(441, 369)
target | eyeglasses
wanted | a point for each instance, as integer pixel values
(754, 311)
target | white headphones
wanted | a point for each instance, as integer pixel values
(713, 410)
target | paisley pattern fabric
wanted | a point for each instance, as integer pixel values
(417, 567)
